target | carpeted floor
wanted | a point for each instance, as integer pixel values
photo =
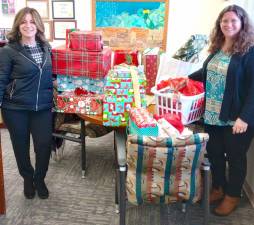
(90, 201)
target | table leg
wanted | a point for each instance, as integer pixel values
(83, 147)
(122, 207)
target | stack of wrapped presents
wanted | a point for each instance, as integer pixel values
(81, 66)
(124, 88)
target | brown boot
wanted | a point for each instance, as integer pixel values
(227, 206)
(216, 195)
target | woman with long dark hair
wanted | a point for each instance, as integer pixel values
(228, 76)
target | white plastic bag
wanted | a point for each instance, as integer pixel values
(172, 68)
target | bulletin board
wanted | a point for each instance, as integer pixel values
(131, 24)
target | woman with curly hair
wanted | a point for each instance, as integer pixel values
(228, 76)
(26, 93)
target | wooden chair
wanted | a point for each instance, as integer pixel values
(197, 141)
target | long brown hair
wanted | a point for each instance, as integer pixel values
(245, 37)
(15, 36)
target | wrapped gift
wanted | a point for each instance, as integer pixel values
(86, 41)
(164, 170)
(122, 91)
(127, 57)
(70, 83)
(141, 123)
(151, 60)
(67, 37)
(80, 63)
(89, 104)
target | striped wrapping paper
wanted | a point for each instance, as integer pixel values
(86, 41)
(80, 63)
(164, 170)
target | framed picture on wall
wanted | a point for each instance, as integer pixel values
(131, 23)
(48, 25)
(60, 27)
(2, 34)
(42, 6)
(63, 9)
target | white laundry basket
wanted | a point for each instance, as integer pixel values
(190, 108)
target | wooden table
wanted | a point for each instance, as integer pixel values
(2, 195)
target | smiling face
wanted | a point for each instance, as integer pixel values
(230, 25)
(28, 28)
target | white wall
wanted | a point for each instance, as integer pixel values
(190, 17)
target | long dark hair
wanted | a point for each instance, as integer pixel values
(15, 36)
(245, 37)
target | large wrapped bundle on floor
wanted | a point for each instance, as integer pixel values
(164, 170)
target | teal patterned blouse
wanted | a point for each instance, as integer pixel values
(215, 87)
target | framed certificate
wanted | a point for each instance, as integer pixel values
(48, 25)
(42, 6)
(60, 27)
(2, 34)
(63, 9)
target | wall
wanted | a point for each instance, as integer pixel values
(185, 18)
(190, 17)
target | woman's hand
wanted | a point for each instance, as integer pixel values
(55, 83)
(239, 127)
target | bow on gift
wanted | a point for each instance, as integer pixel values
(79, 91)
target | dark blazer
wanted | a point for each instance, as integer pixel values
(238, 100)
(23, 84)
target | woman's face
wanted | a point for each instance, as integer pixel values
(28, 28)
(230, 25)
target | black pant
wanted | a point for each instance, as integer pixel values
(224, 146)
(21, 124)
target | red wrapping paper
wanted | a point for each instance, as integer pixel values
(127, 57)
(67, 38)
(151, 65)
(86, 41)
(85, 104)
(80, 63)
